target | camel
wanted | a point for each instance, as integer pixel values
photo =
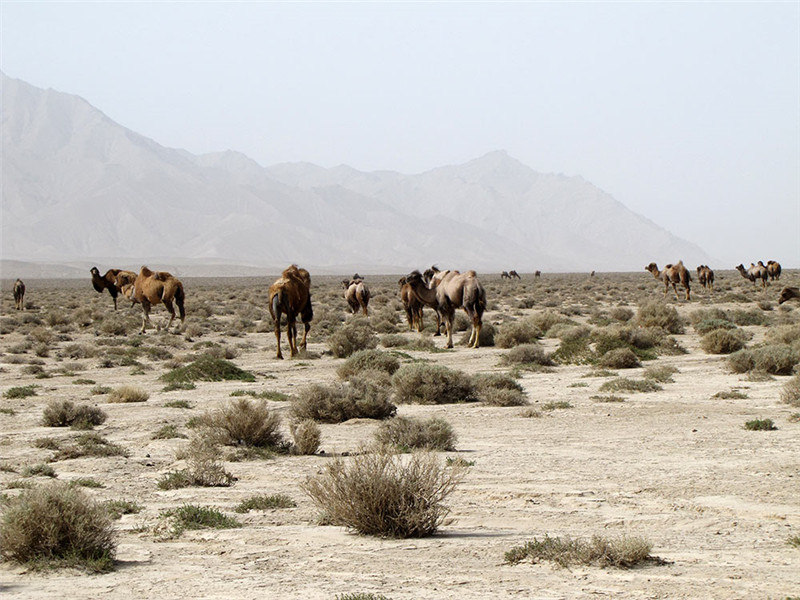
(505, 275)
(706, 277)
(672, 274)
(754, 273)
(357, 295)
(774, 270)
(156, 287)
(537, 274)
(19, 294)
(113, 281)
(788, 293)
(453, 290)
(412, 306)
(591, 274)
(290, 294)
(514, 275)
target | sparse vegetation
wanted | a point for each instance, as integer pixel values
(306, 436)
(760, 425)
(192, 516)
(64, 413)
(88, 444)
(351, 337)
(624, 552)
(20, 391)
(128, 393)
(374, 360)
(411, 433)
(422, 383)
(117, 508)
(207, 368)
(623, 384)
(499, 389)
(264, 502)
(527, 355)
(339, 403)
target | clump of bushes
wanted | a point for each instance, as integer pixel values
(514, 333)
(790, 394)
(351, 337)
(544, 321)
(421, 383)
(128, 393)
(368, 360)
(22, 391)
(88, 444)
(619, 358)
(191, 516)
(360, 398)
(624, 552)
(656, 314)
(57, 525)
(622, 384)
(409, 433)
(527, 355)
(775, 359)
(264, 502)
(760, 425)
(499, 389)
(485, 338)
(661, 374)
(204, 467)
(384, 495)
(242, 422)
(207, 368)
(721, 341)
(306, 436)
(66, 414)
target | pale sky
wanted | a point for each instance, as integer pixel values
(687, 113)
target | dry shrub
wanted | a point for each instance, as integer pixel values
(422, 383)
(384, 495)
(203, 466)
(128, 393)
(361, 398)
(661, 374)
(775, 359)
(748, 317)
(409, 433)
(790, 394)
(722, 341)
(624, 552)
(515, 333)
(351, 337)
(656, 314)
(306, 436)
(619, 358)
(527, 354)
(57, 525)
(485, 338)
(499, 389)
(707, 325)
(544, 321)
(373, 360)
(622, 384)
(89, 444)
(264, 502)
(242, 422)
(783, 334)
(65, 414)
(622, 314)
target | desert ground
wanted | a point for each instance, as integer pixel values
(718, 502)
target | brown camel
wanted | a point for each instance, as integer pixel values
(412, 306)
(706, 277)
(19, 294)
(505, 275)
(537, 274)
(754, 273)
(113, 281)
(672, 274)
(291, 295)
(774, 270)
(357, 295)
(514, 275)
(788, 293)
(453, 290)
(156, 287)
(591, 274)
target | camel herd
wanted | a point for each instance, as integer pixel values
(445, 291)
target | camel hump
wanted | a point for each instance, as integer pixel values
(290, 271)
(145, 272)
(669, 266)
(471, 273)
(162, 276)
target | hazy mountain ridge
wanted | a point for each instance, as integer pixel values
(76, 184)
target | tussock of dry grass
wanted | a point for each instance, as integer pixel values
(128, 393)
(410, 433)
(422, 383)
(63, 413)
(624, 552)
(338, 403)
(306, 437)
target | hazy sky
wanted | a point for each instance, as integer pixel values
(688, 113)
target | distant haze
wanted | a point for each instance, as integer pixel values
(688, 114)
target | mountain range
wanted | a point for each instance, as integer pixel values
(77, 186)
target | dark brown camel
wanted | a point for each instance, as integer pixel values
(591, 274)
(291, 295)
(514, 275)
(754, 273)
(19, 295)
(505, 275)
(453, 290)
(537, 274)
(156, 287)
(672, 274)
(113, 281)
(788, 293)
(357, 295)
(774, 270)
(412, 305)
(706, 277)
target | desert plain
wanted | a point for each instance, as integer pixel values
(675, 465)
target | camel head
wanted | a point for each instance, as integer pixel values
(345, 283)
(401, 282)
(740, 268)
(700, 268)
(761, 263)
(95, 272)
(414, 278)
(787, 294)
(652, 267)
(357, 276)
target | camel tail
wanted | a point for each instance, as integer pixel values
(180, 296)
(274, 304)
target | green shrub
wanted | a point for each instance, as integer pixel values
(191, 516)
(775, 359)
(88, 444)
(207, 368)
(351, 337)
(409, 433)
(422, 383)
(544, 321)
(381, 494)
(619, 358)
(657, 314)
(514, 333)
(499, 389)
(117, 508)
(748, 317)
(20, 391)
(721, 341)
(760, 425)
(264, 502)
(368, 359)
(624, 552)
(622, 384)
(57, 525)
(706, 325)
(338, 403)
(64, 413)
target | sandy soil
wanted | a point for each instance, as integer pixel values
(676, 466)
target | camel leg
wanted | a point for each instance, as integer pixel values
(420, 324)
(291, 333)
(438, 323)
(306, 328)
(278, 335)
(476, 326)
(675, 289)
(146, 315)
(366, 312)
(171, 309)
(448, 324)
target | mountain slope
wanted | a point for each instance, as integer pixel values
(77, 185)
